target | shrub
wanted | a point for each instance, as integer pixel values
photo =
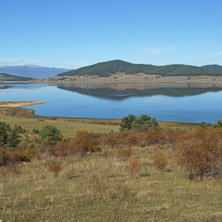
(144, 120)
(160, 161)
(202, 156)
(62, 149)
(133, 122)
(134, 166)
(83, 142)
(3, 133)
(17, 156)
(155, 136)
(13, 139)
(3, 157)
(126, 122)
(35, 131)
(123, 154)
(203, 125)
(55, 167)
(218, 124)
(49, 135)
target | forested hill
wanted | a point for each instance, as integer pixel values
(115, 66)
(216, 68)
(7, 77)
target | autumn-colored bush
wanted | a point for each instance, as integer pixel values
(55, 167)
(83, 142)
(155, 136)
(173, 135)
(202, 154)
(109, 140)
(134, 166)
(17, 156)
(123, 153)
(62, 149)
(160, 161)
(32, 153)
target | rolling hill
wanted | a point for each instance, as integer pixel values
(7, 77)
(216, 68)
(116, 66)
(36, 72)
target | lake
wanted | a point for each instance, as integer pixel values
(169, 103)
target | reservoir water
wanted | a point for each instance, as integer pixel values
(184, 104)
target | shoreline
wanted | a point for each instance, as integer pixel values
(125, 79)
(18, 104)
(30, 113)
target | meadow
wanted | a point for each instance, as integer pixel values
(105, 175)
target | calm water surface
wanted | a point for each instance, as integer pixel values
(170, 104)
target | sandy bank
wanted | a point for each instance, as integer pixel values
(20, 103)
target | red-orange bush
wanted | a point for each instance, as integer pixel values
(83, 142)
(123, 153)
(55, 167)
(134, 166)
(202, 154)
(160, 161)
(62, 149)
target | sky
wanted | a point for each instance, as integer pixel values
(76, 33)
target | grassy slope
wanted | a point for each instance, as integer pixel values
(115, 66)
(8, 77)
(99, 187)
(68, 126)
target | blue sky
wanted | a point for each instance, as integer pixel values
(75, 33)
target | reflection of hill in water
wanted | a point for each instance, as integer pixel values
(4, 87)
(113, 93)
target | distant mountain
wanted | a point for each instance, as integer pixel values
(115, 66)
(216, 68)
(36, 72)
(7, 77)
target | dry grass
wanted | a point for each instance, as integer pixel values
(20, 103)
(99, 187)
(68, 126)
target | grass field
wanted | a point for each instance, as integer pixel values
(68, 126)
(100, 187)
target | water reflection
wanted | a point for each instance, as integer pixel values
(120, 92)
(193, 103)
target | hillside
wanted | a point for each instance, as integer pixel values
(115, 66)
(216, 68)
(7, 77)
(36, 72)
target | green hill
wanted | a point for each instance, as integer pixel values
(115, 66)
(7, 77)
(216, 68)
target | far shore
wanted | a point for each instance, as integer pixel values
(14, 110)
(137, 79)
(20, 103)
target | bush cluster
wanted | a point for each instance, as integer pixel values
(199, 151)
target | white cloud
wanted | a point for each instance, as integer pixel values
(153, 51)
(172, 47)
(218, 53)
